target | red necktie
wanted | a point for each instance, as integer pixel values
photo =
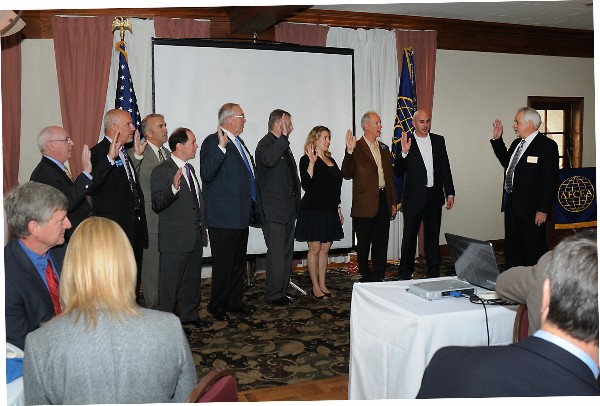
(52, 281)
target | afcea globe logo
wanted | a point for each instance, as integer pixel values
(575, 194)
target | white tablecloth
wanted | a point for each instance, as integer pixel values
(14, 390)
(394, 334)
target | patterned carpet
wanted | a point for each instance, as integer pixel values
(309, 340)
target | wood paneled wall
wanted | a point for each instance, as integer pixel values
(235, 23)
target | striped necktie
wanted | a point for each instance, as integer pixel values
(68, 172)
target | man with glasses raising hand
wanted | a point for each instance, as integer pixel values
(56, 147)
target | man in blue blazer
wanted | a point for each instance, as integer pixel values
(177, 199)
(530, 185)
(423, 161)
(232, 204)
(37, 216)
(280, 191)
(560, 359)
(56, 147)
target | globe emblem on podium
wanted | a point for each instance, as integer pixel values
(575, 194)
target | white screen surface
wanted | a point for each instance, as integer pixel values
(193, 79)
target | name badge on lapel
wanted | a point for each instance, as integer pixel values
(532, 159)
(118, 162)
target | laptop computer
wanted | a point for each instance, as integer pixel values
(474, 261)
(475, 265)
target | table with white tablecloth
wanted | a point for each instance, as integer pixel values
(394, 334)
(14, 389)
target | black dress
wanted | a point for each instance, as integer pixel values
(318, 219)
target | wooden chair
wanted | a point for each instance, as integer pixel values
(219, 385)
(521, 328)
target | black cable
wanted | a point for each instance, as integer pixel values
(477, 300)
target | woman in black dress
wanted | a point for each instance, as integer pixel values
(320, 219)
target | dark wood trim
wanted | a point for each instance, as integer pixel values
(452, 34)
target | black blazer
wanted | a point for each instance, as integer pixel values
(111, 195)
(276, 180)
(177, 224)
(532, 367)
(50, 173)
(414, 196)
(27, 299)
(535, 180)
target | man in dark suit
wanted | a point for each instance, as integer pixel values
(117, 194)
(280, 191)
(155, 132)
(560, 359)
(177, 199)
(530, 185)
(37, 215)
(56, 147)
(368, 163)
(232, 204)
(423, 161)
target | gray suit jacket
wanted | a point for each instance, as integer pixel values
(280, 200)
(176, 212)
(143, 170)
(143, 359)
(523, 284)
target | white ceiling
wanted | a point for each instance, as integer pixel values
(561, 14)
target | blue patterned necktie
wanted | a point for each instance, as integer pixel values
(132, 185)
(241, 149)
(508, 182)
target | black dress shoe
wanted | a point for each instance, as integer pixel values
(282, 301)
(244, 309)
(197, 323)
(219, 314)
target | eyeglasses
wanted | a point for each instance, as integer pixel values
(240, 116)
(67, 140)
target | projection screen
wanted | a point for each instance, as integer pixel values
(192, 79)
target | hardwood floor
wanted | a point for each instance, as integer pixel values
(326, 389)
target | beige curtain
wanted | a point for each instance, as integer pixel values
(83, 48)
(302, 34)
(10, 83)
(424, 45)
(181, 28)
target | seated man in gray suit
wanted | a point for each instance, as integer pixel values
(37, 215)
(177, 199)
(279, 187)
(560, 359)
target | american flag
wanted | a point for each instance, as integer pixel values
(125, 98)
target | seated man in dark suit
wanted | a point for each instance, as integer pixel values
(37, 215)
(560, 359)
(56, 147)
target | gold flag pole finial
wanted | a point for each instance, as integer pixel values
(122, 24)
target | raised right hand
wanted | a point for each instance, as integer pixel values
(115, 146)
(177, 179)
(222, 137)
(405, 142)
(350, 142)
(498, 129)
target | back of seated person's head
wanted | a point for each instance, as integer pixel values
(573, 275)
(99, 272)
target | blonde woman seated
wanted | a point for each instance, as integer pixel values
(103, 347)
(320, 219)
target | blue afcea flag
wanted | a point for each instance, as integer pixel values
(575, 205)
(405, 109)
(125, 97)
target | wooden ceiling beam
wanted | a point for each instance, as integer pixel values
(246, 20)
